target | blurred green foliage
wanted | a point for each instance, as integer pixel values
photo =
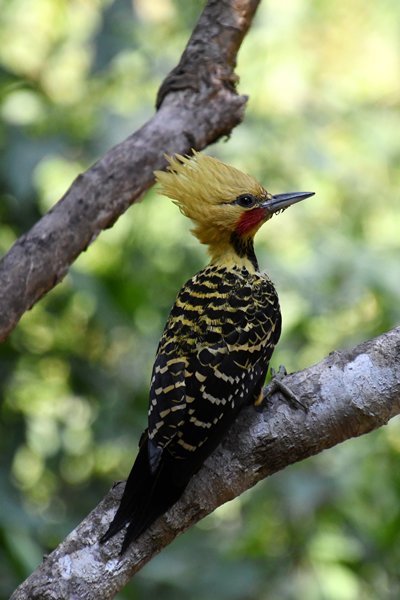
(77, 76)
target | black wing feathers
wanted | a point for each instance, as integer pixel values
(212, 360)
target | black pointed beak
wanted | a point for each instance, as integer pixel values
(282, 201)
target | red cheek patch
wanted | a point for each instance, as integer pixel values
(249, 220)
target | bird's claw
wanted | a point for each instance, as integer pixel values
(277, 385)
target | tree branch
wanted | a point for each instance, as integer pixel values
(197, 104)
(349, 393)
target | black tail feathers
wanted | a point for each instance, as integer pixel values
(146, 496)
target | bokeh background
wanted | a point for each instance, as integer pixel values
(76, 77)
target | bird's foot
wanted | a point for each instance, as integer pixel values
(277, 385)
(117, 483)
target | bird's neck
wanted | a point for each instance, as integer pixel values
(236, 252)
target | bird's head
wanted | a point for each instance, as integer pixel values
(227, 206)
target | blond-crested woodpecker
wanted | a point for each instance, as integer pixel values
(213, 356)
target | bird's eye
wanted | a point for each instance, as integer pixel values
(246, 200)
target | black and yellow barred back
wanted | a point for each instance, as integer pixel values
(211, 361)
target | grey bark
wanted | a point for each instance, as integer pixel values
(197, 104)
(348, 394)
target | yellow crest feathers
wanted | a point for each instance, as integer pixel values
(197, 183)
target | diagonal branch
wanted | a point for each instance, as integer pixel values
(197, 104)
(348, 393)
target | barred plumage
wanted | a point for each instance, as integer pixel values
(213, 356)
(212, 359)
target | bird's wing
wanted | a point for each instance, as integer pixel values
(212, 359)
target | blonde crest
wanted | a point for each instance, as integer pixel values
(198, 183)
(206, 189)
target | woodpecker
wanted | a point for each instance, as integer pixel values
(213, 355)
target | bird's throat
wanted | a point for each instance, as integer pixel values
(244, 248)
(236, 252)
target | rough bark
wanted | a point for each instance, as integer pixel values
(348, 394)
(197, 104)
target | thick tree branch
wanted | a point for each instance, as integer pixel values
(349, 393)
(197, 104)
